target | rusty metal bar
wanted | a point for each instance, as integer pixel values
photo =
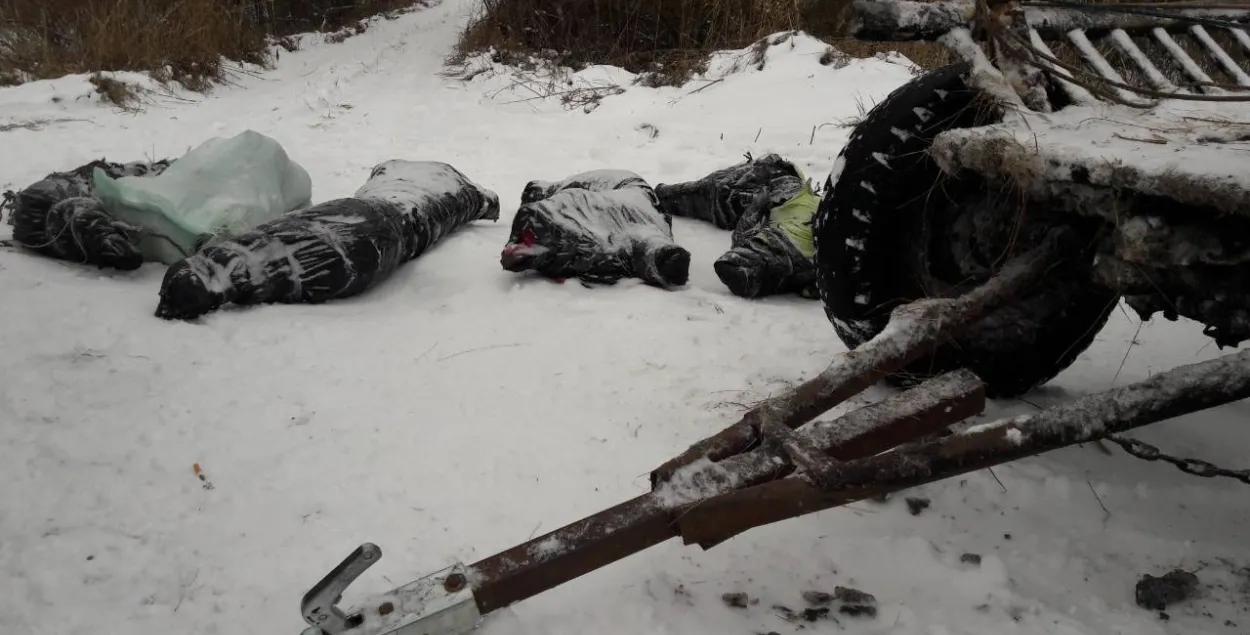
(1180, 391)
(586, 545)
(914, 330)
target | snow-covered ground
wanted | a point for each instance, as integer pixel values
(459, 409)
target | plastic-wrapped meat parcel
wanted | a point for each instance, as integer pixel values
(593, 180)
(771, 250)
(333, 250)
(599, 227)
(768, 204)
(60, 216)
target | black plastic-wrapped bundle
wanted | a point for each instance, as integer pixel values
(59, 216)
(767, 260)
(598, 227)
(593, 180)
(334, 250)
(769, 205)
(722, 197)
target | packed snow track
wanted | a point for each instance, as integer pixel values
(458, 409)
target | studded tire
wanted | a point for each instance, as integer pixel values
(893, 228)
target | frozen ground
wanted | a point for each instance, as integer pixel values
(459, 409)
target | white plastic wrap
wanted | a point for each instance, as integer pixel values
(221, 188)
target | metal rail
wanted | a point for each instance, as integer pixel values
(776, 465)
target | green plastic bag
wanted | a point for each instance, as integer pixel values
(221, 188)
(794, 218)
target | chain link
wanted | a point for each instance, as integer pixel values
(1196, 467)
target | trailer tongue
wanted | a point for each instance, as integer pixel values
(774, 464)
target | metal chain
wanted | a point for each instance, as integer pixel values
(1196, 467)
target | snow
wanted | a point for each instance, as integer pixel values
(456, 410)
(1193, 151)
(636, 217)
(690, 483)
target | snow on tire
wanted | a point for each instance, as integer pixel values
(892, 228)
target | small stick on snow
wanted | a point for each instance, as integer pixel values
(478, 349)
(427, 352)
(1000, 482)
(1227, 122)
(706, 86)
(1100, 503)
(1143, 140)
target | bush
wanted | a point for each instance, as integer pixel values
(634, 34)
(184, 40)
(284, 17)
(669, 36)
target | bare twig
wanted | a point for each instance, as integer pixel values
(1000, 482)
(1131, 344)
(1141, 139)
(480, 348)
(1099, 499)
(705, 86)
(185, 588)
(427, 352)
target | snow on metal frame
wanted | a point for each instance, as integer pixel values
(1220, 54)
(1191, 67)
(1205, 141)
(1173, 393)
(917, 20)
(1191, 152)
(1078, 93)
(1100, 63)
(1130, 48)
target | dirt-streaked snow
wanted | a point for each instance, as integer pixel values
(459, 409)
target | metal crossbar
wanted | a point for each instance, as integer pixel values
(1090, 73)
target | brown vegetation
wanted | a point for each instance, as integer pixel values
(182, 40)
(667, 39)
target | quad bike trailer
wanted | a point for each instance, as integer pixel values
(976, 232)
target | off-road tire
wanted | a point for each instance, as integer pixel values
(880, 232)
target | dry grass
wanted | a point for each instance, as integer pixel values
(182, 40)
(112, 90)
(666, 40)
